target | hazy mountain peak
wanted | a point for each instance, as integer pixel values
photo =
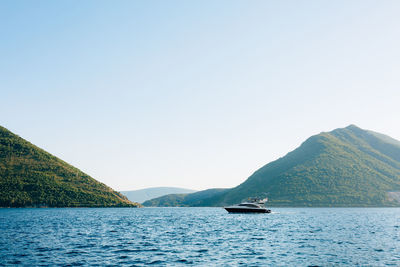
(352, 127)
(142, 195)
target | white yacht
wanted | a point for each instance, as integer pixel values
(251, 206)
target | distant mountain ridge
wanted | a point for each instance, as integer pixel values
(345, 167)
(31, 177)
(142, 195)
(186, 200)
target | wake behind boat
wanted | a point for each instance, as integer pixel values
(251, 206)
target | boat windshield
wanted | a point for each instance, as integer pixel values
(251, 205)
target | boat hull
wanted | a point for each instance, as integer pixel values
(246, 210)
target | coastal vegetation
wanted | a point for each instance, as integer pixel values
(31, 177)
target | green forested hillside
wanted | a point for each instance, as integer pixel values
(345, 167)
(29, 176)
(186, 200)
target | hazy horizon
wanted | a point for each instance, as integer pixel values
(194, 95)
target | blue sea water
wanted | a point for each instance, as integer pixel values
(200, 236)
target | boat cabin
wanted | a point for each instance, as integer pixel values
(250, 205)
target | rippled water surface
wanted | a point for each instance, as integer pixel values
(200, 236)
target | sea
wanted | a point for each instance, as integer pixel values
(199, 237)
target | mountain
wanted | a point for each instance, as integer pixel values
(345, 167)
(31, 177)
(154, 192)
(185, 200)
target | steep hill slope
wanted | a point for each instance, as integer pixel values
(29, 176)
(345, 167)
(154, 192)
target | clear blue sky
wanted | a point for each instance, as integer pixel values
(194, 94)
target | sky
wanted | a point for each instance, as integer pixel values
(194, 94)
